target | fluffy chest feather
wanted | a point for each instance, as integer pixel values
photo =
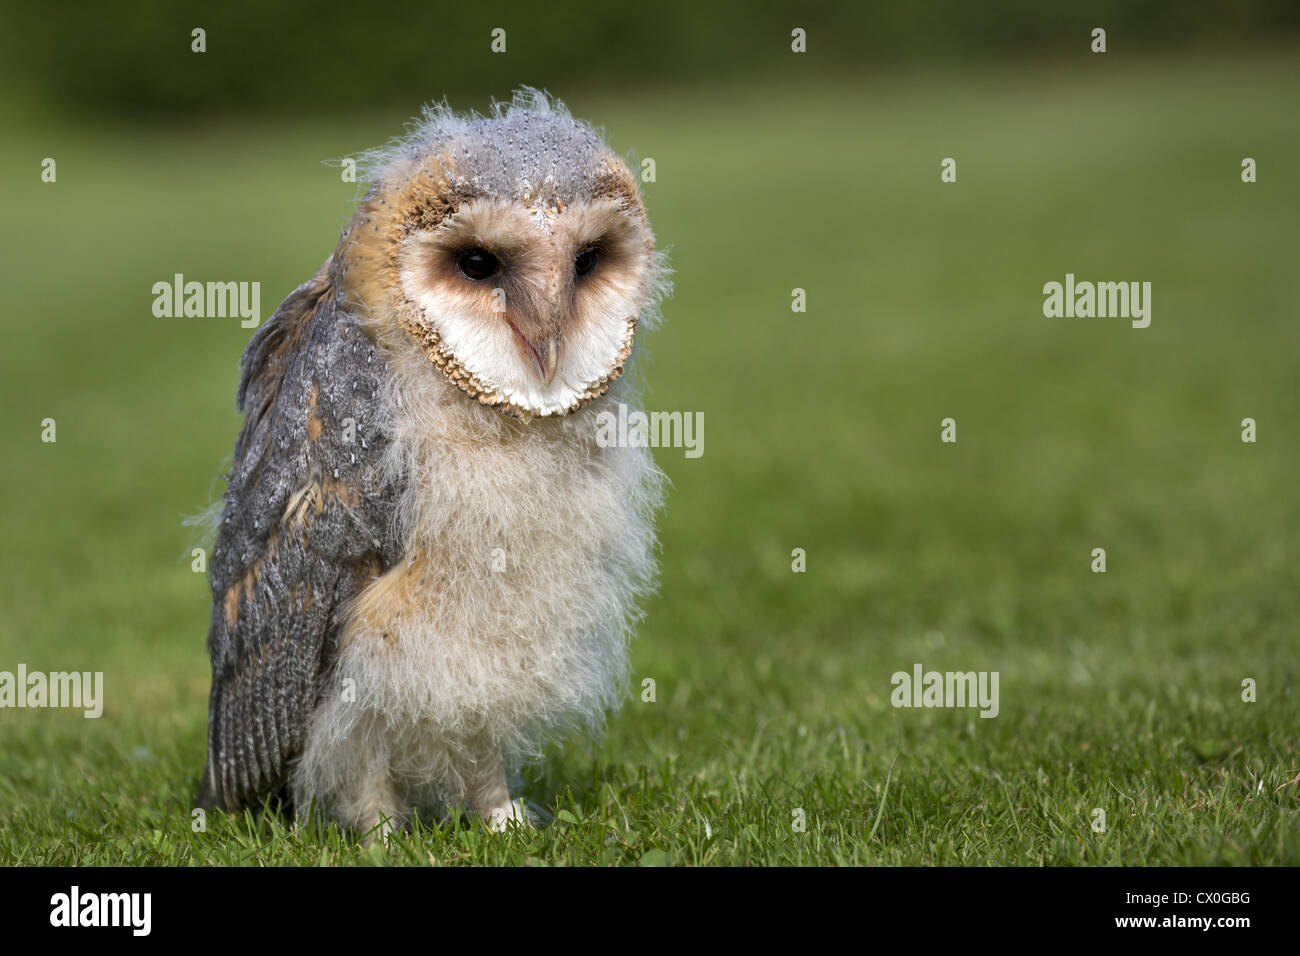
(527, 550)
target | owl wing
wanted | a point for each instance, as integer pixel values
(306, 525)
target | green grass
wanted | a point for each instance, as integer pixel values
(1118, 691)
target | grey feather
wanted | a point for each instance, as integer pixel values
(291, 575)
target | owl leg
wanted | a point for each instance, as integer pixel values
(379, 809)
(489, 795)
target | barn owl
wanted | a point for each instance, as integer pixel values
(427, 568)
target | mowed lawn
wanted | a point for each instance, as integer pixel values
(1119, 692)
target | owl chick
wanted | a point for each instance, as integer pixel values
(427, 567)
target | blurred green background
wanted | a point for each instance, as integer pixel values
(133, 57)
(774, 171)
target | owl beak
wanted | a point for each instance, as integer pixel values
(544, 354)
(550, 358)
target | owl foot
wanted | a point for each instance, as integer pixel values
(490, 795)
(512, 814)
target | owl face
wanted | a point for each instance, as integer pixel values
(513, 251)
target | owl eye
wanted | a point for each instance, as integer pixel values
(585, 261)
(477, 264)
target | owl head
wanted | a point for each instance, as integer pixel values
(512, 251)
